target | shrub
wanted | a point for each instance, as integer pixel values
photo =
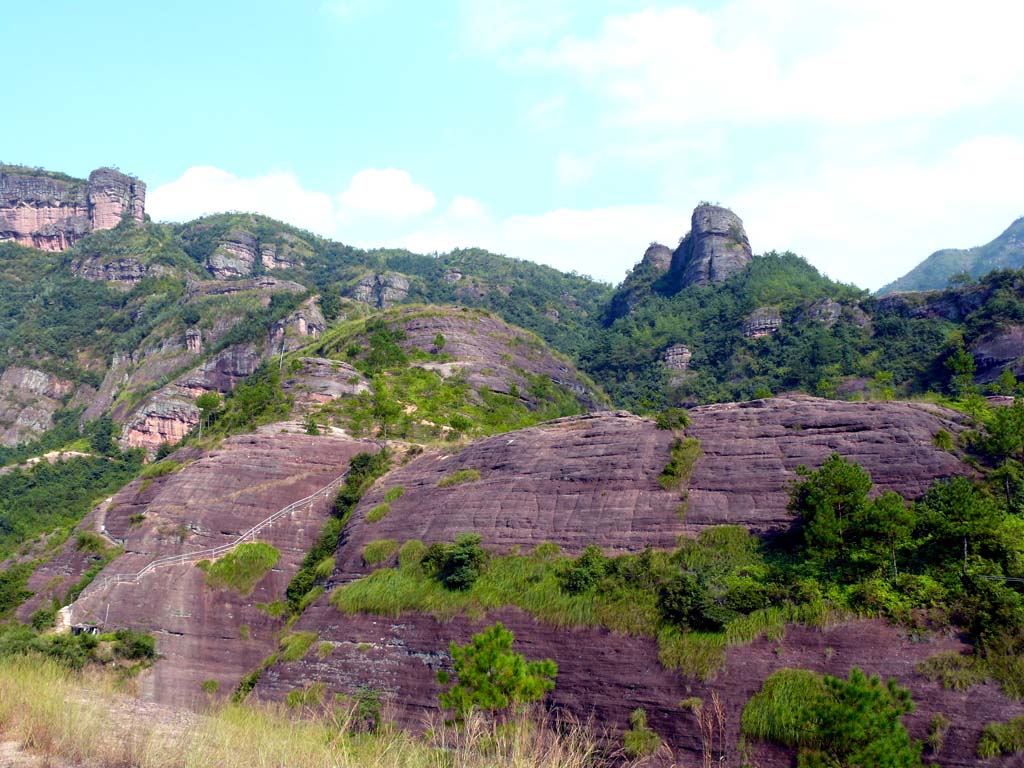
(672, 418)
(956, 671)
(639, 740)
(487, 675)
(393, 494)
(378, 551)
(90, 541)
(937, 729)
(457, 566)
(243, 567)
(210, 686)
(943, 440)
(684, 455)
(1002, 738)
(585, 571)
(459, 477)
(129, 644)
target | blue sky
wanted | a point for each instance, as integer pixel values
(861, 134)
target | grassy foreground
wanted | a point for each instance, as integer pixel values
(79, 718)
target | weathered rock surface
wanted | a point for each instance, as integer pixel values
(677, 357)
(126, 270)
(656, 261)
(606, 675)
(28, 400)
(234, 256)
(319, 380)
(51, 212)
(210, 502)
(998, 350)
(382, 291)
(763, 321)
(594, 479)
(715, 248)
(262, 283)
(751, 452)
(488, 353)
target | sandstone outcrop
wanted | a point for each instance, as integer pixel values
(52, 211)
(28, 400)
(763, 321)
(656, 261)
(126, 270)
(677, 357)
(998, 350)
(594, 480)
(234, 256)
(715, 248)
(487, 352)
(211, 501)
(382, 291)
(317, 380)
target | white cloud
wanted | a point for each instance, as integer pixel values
(832, 60)
(204, 189)
(489, 27)
(389, 193)
(871, 223)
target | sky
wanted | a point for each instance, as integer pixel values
(862, 135)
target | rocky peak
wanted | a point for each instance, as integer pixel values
(715, 248)
(51, 211)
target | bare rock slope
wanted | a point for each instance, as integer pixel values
(594, 480)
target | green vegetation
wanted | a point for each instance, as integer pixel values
(376, 552)
(364, 469)
(378, 513)
(160, 468)
(1002, 739)
(488, 676)
(66, 718)
(210, 687)
(127, 649)
(459, 477)
(393, 494)
(296, 645)
(242, 568)
(834, 722)
(639, 740)
(48, 497)
(685, 453)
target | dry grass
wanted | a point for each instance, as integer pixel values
(68, 718)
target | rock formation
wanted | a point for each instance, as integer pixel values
(715, 248)
(594, 480)
(656, 261)
(28, 400)
(211, 501)
(52, 211)
(381, 291)
(677, 357)
(233, 256)
(762, 322)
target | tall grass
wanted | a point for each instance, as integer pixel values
(776, 712)
(243, 567)
(56, 714)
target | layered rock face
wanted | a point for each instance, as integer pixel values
(382, 291)
(28, 400)
(489, 353)
(594, 480)
(715, 248)
(763, 321)
(52, 212)
(211, 501)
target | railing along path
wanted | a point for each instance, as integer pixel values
(214, 552)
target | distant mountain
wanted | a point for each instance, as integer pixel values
(1005, 252)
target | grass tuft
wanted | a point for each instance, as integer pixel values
(459, 477)
(243, 567)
